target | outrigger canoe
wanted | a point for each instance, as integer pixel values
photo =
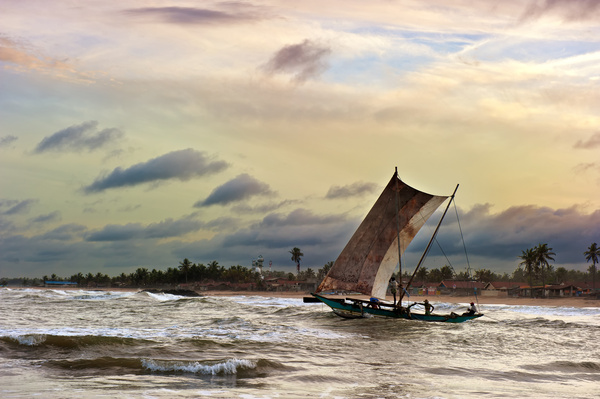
(352, 308)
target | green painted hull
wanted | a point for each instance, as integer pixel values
(357, 309)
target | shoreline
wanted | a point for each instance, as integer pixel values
(575, 302)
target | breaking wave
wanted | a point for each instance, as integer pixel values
(222, 367)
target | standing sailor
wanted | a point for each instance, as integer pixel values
(393, 288)
(428, 307)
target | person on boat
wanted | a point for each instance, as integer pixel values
(428, 307)
(373, 303)
(410, 306)
(394, 288)
(471, 310)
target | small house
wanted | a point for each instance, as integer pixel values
(502, 289)
(562, 290)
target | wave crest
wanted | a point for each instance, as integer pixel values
(227, 367)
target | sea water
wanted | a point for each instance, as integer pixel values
(94, 344)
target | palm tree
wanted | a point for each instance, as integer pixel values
(422, 274)
(214, 270)
(542, 255)
(324, 270)
(310, 274)
(592, 254)
(185, 267)
(296, 256)
(484, 275)
(447, 272)
(140, 276)
(561, 275)
(528, 259)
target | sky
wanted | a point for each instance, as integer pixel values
(136, 134)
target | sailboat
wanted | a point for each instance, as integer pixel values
(369, 259)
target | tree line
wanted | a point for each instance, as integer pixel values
(534, 268)
(185, 272)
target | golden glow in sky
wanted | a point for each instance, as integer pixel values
(136, 134)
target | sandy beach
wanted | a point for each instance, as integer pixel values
(578, 302)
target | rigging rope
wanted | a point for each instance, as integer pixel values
(462, 238)
(445, 256)
(441, 248)
(469, 274)
(466, 254)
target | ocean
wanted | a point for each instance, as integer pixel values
(95, 344)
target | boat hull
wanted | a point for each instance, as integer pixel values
(357, 309)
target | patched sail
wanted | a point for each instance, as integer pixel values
(368, 261)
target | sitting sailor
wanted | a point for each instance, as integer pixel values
(471, 310)
(373, 303)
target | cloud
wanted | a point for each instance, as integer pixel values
(167, 228)
(13, 52)
(7, 140)
(117, 232)
(17, 207)
(493, 240)
(132, 231)
(19, 56)
(502, 236)
(584, 167)
(299, 227)
(263, 208)
(321, 237)
(304, 61)
(50, 217)
(61, 251)
(300, 217)
(181, 165)
(172, 228)
(65, 232)
(352, 190)
(229, 13)
(568, 10)
(592, 142)
(79, 137)
(240, 188)
(129, 208)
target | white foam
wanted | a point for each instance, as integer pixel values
(228, 367)
(544, 310)
(35, 336)
(265, 301)
(210, 393)
(164, 297)
(29, 339)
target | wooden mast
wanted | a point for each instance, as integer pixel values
(398, 235)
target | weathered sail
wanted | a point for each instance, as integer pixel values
(368, 261)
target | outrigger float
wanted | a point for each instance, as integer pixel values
(369, 259)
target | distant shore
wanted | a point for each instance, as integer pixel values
(576, 302)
